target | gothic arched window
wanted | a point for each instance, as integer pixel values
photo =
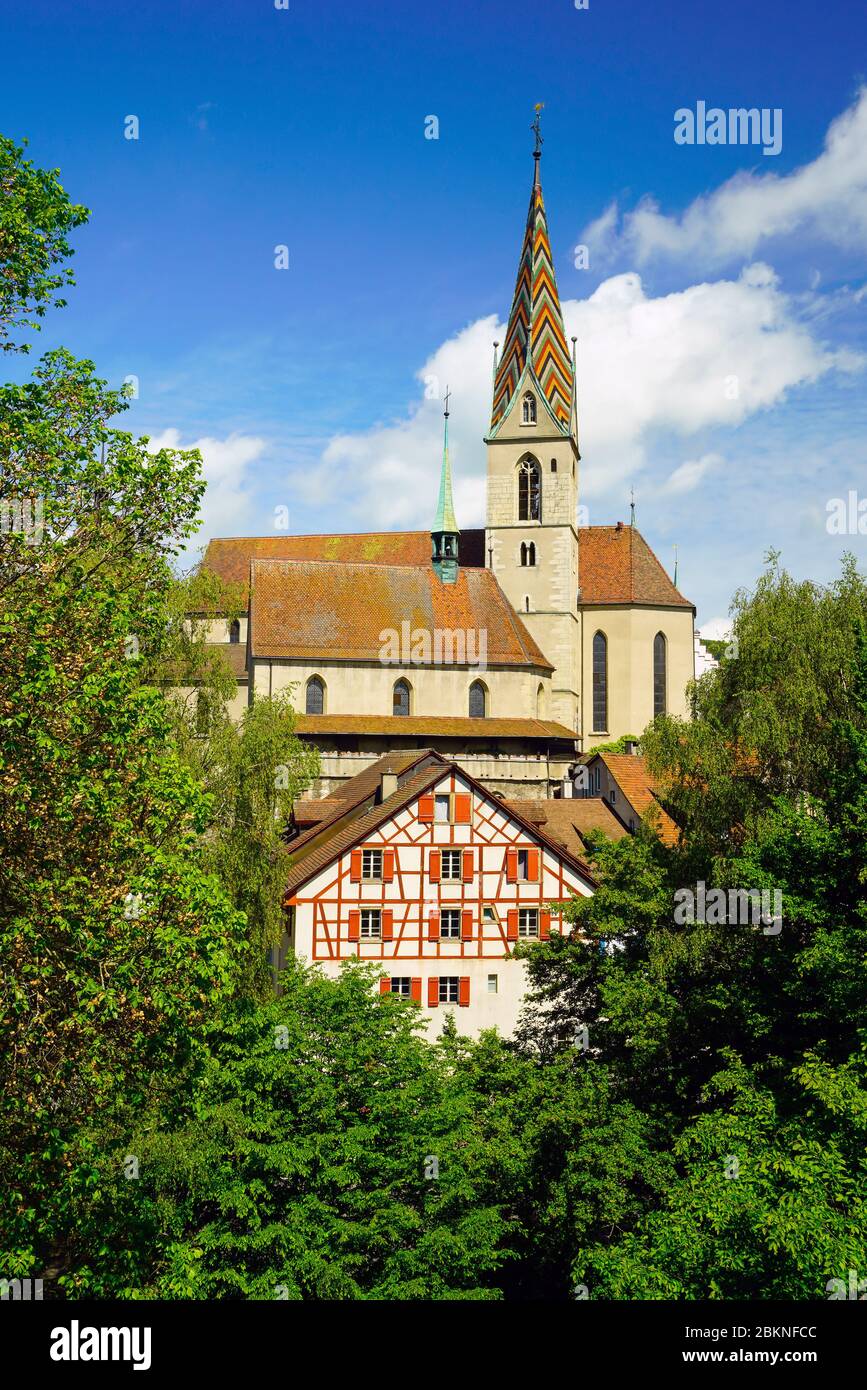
(315, 702)
(478, 700)
(600, 683)
(528, 553)
(234, 631)
(400, 698)
(659, 674)
(529, 490)
(528, 409)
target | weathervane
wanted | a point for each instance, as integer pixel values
(536, 127)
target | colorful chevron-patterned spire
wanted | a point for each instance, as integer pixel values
(535, 321)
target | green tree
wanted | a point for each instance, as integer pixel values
(36, 217)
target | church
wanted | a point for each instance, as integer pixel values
(512, 651)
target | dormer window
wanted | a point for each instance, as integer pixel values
(528, 409)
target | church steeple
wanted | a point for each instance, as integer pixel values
(445, 536)
(535, 354)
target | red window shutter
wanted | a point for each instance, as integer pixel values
(415, 990)
(466, 925)
(512, 924)
(387, 865)
(433, 924)
(468, 866)
(511, 866)
(387, 925)
(463, 808)
(533, 866)
(435, 866)
(385, 986)
(433, 991)
(426, 808)
(464, 990)
(355, 866)
(544, 924)
(354, 924)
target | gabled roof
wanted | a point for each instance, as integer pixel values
(631, 774)
(350, 797)
(616, 565)
(535, 315)
(230, 556)
(432, 726)
(325, 611)
(320, 853)
(569, 820)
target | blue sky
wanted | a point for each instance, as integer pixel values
(306, 127)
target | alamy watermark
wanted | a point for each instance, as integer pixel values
(439, 646)
(738, 126)
(740, 907)
(847, 516)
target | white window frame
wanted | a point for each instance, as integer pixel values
(452, 857)
(368, 928)
(449, 989)
(405, 986)
(454, 932)
(371, 857)
(528, 922)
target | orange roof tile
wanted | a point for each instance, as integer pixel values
(630, 772)
(616, 565)
(568, 820)
(320, 610)
(230, 557)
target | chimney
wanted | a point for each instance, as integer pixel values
(620, 526)
(387, 784)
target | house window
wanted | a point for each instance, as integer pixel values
(600, 683)
(451, 863)
(659, 673)
(528, 921)
(448, 989)
(371, 920)
(478, 703)
(613, 795)
(234, 631)
(529, 491)
(441, 808)
(553, 465)
(528, 553)
(450, 924)
(315, 702)
(401, 985)
(400, 698)
(528, 409)
(523, 864)
(489, 914)
(492, 984)
(371, 863)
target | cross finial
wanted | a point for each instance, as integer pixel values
(537, 127)
(446, 399)
(632, 506)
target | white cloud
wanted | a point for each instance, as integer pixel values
(825, 199)
(226, 506)
(690, 474)
(710, 355)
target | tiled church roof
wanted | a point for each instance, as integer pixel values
(324, 610)
(616, 565)
(230, 557)
(535, 307)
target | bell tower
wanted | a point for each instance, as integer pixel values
(532, 447)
